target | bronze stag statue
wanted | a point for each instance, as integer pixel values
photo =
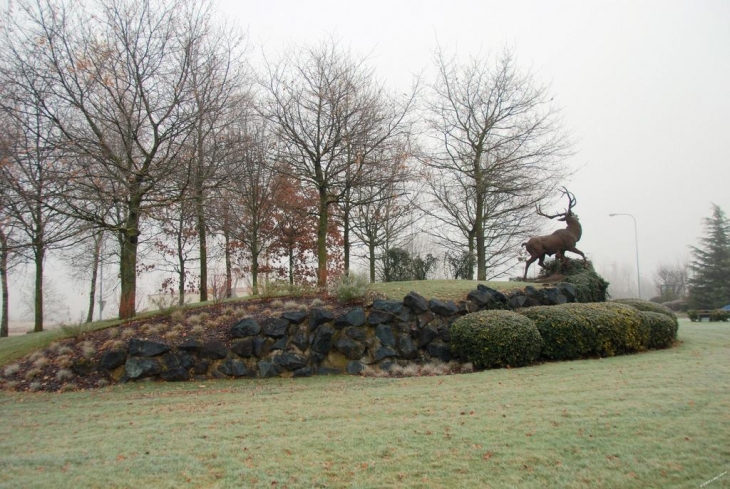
(560, 241)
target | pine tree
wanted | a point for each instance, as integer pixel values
(710, 283)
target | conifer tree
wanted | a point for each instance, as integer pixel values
(710, 283)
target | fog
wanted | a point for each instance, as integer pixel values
(643, 88)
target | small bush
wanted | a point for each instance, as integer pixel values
(293, 306)
(88, 349)
(177, 315)
(128, 333)
(41, 362)
(572, 331)
(76, 330)
(64, 374)
(662, 329)
(692, 315)
(63, 350)
(11, 370)
(32, 373)
(350, 288)
(719, 315)
(589, 286)
(496, 339)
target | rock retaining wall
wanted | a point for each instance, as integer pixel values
(316, 342)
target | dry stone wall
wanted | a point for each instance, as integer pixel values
(316, 342)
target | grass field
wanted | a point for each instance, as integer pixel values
(659, 419)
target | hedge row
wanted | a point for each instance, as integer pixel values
(563, 332)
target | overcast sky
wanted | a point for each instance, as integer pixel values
(644, 87)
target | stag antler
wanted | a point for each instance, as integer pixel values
(571, 203)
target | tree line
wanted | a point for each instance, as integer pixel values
(145, 122)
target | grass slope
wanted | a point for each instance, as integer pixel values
(658, 419)
(441, 289)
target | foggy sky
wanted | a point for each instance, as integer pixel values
(644, 88)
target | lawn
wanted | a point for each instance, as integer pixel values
(442, 289)
(658, 419)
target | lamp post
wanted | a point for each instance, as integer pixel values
(636, 241)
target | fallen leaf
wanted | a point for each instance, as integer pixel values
(487, 456)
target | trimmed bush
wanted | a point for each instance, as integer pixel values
(662, 329)
(589, 286)
(566, 335)
(495, 339)
(576, 330)
(647, 306)
(719, 315)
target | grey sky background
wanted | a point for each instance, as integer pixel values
(644, 87)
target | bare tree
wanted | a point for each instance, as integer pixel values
(113, 80)
(496, 150)
(671, 281)
(32, 184)
(255, 186)
(221, 98)
(329, 113)
(384, 210)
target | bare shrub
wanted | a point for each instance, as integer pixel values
(11, 370)
(88, 349)
(64, 374)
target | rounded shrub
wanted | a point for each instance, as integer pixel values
(589, 286)
(647, 306)
(662, 329)
(566, 335)
(577, 330)
(495, 339)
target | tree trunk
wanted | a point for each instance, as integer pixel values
(202, 238)
(479, 231)
(94, 272)
(346, 236)
(254, 267)
(4, 319)
(181, 284)
(40, 252)
(322, 239)
(128, 239)
(470, 271)
(229, 268)
(291, 265)
(371, 257)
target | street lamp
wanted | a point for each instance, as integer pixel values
(636, 241)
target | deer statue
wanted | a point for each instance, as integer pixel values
(560, 241)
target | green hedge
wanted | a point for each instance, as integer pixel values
(566, 336)
(571, 331)
(662, 329)
(647, 306)
(495, 339)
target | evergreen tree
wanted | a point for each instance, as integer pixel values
(710, 283)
